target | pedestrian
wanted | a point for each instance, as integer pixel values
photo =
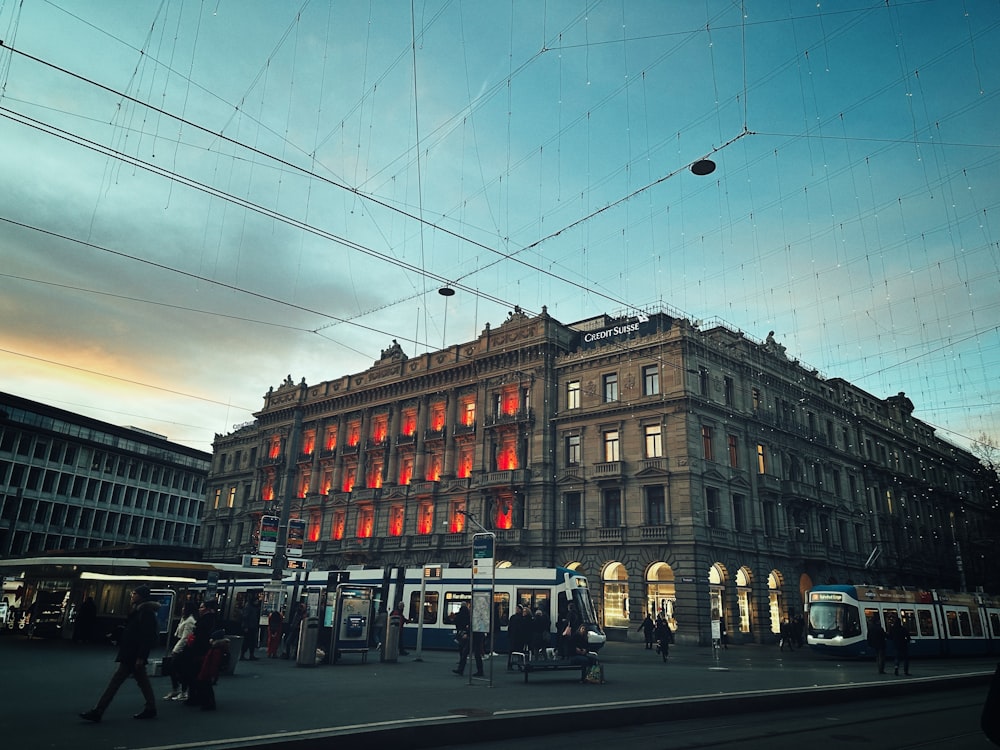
(467, 640)
(876, 639)
(179, 671)
(799, 631)
(199, 644)
(212, 664)
(295, 618)
(398, 612)
(564, 635)
(514, 638)
(661, 632)
(275, 624)
(899, 634)
(785, 635)
(580, 650)
(540, 625)
(647, 627)
(86, 619)
(250, 626)
(139, 636)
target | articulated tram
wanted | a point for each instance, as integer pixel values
(941, 623)
(550, 590)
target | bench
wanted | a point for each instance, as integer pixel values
(528, 663)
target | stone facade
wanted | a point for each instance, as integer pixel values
(688, 469)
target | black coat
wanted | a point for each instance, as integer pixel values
(140, 634)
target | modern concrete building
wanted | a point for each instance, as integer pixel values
(685, 468)
(68, 482)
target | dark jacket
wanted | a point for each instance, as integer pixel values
(876, 636)
(900, 637)
(140, 634)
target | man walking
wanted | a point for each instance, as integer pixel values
(876, 639)
(139, 636)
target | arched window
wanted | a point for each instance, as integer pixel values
(661, 594)
(616, 604)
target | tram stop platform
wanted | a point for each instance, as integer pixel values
(419, 702)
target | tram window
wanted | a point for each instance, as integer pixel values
(977, 624)
(535, 598)
(452, 603)
(963, 621)
(995, 624)
(871, 613)
(925, 623)
(910, 620)
(430, 606)
(952, 617)
(501, 608)
(889, 616)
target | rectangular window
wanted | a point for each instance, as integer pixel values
(740, 513)
(425, 518)
(713, 508)
(612, 508)
(703, 381)
(232, 497)
(430, 607)
(572, 450)
(651, 380)
(337, 527)
(218, 498)
(573, 514)
(734, 453)
(761, 459)
(573, 394)
(366, 521)
(706, 443)
(730, 390)
(755, 399)
(452, 603)
(610, 387)
(396, 520)
(656, 512)
(654, 441)
(611, 446)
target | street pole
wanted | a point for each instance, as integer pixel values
(287, 493)
(483, 557)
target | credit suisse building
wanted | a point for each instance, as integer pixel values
(684, 468)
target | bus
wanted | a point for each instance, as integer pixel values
(940, 622)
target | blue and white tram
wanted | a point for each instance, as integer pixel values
(941, 623)
(548, 589)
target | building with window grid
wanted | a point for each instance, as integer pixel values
(69, 482)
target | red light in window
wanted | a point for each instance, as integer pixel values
(505, 516)
(409, 425)
(510, 404)
(426, 521)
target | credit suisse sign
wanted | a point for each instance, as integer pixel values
(626, 329)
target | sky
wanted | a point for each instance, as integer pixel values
(198, 199)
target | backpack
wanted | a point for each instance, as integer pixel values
(595, 674)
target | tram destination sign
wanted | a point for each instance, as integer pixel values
(266, 561)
